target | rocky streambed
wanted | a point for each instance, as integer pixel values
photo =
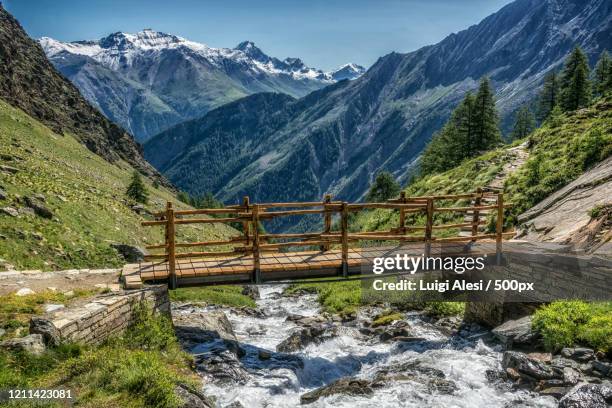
(286, 353)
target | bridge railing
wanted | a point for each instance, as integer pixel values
(253, 241)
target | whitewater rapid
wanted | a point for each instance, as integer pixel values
(279, 382)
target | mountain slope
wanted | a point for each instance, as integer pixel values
(30, 82)
(84, 192)
(336, 139)
(150, 81)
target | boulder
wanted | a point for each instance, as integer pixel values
(10, 211)
(24, 292)
(32, 344)
(221, 366)
(398, 328)
(38, 207)
(8, 169)
(192, 398)
(528, 368)
(197, 328)
(303, 337)
(48, 331)
(50, 307)
(587, 396)
(130, 253)
(581, 354)
(251, 291)
(516, 333)
(346, 386)
(441, 386)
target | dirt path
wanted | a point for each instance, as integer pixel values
(521, 154)
(61, 281)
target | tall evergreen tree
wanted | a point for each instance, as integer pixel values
(575, 84)
(549, 96)
(383, 188)
(603, 74)
(137, 191)
(524, 123)
(472, 128)
(486, 121)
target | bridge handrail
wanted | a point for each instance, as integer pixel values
(253, 242)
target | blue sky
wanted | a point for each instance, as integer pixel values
(324, 33)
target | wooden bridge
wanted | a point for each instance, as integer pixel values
(256, 256)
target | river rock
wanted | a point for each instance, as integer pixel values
(235, 404)
(516, 333)
(32, 344)
(555, 392)
(38, 207)
(192, 398)
(528, 368)
(197, 328)
(441, 386)
(130, 253)
(581, 354)
(604, 369)
(346, 386)
(587, 396)
(222, 365)
(44, 327)
(305, 336)
(251, 291)
(398, 328)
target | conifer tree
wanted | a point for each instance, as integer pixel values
(575, 84)
(486, 121)
(137, 190)
(524, 123)
(603, 74)
(383, 188)
(549, 96)
(472, 128)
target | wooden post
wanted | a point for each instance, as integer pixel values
(170, 250)
(327, 220)
(428, 226)
(245, 224)
(476, 215)
(256, 255)
(402, 214)
(344, 230)
(500, 226)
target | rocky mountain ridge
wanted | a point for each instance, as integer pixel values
(337, 139)
(149, 81)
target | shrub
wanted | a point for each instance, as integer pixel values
(566, 323)
(444, 309)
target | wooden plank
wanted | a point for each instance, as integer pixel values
(208, 220)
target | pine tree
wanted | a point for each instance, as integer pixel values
(603, 74)
(575, 84)
(524, 123)
(383, 188)
(471, 129)
(137, 190)
(486, 121)
(549, 96)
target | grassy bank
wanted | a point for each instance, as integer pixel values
(139, 369)
(230, 296)
(86, 195)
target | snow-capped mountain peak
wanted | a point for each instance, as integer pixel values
(347, 71)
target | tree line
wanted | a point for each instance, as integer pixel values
(473, 127)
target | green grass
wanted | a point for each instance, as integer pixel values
(334, 297)
(15, 311)
(561, 150)
(85, 193)
(139, 369)
(216, 295)
(569, 323)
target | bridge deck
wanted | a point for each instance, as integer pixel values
(274, 265)
(237, 269)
